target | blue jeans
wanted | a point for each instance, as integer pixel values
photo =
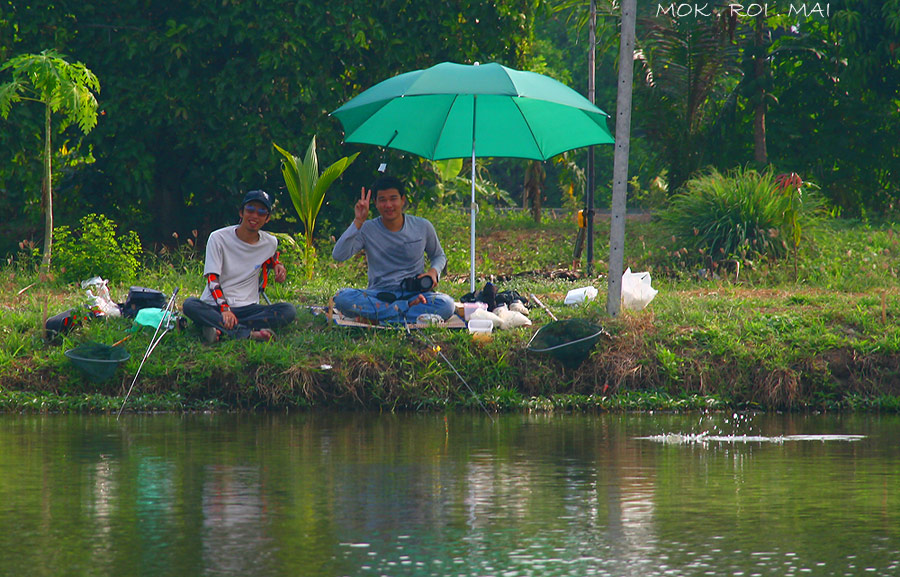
(364, 303)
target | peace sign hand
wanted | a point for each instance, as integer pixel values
(361, 208)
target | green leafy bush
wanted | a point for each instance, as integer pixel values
(95, 250)
(742, 214)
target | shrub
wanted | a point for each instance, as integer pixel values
(743, 214)
(94, 250)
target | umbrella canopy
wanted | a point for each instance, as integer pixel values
(440, 112)
(458, 111)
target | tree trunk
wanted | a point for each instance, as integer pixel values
(47, 190)
(760, 152)
(533, 189)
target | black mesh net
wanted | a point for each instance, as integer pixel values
(97, 360)
(569, 341)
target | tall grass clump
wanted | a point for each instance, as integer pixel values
(741, 215)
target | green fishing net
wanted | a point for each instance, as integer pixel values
(569, 341)
(97, 360)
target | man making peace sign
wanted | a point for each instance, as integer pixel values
(396, 244)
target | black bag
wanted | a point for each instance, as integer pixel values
(142, 298)
(60, 324)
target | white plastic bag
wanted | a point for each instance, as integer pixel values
(483, 314)
(580, 295)
(511, 319)
(101, 304)
(636, 290)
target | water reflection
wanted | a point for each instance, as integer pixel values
(234, 521)
(351, 494)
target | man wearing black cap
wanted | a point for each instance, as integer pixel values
(235, 255)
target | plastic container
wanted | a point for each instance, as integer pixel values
(480, 326)
(469, 308)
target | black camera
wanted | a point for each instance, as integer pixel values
(417, 284)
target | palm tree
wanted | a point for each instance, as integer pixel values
(689, 76)
(61, 87)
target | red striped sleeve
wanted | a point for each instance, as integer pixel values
(215, 289)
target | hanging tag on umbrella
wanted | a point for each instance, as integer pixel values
(383, 166)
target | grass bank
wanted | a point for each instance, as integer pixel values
(732, 338)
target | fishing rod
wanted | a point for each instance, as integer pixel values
(157, 336)
(435, 347)
(542, 305)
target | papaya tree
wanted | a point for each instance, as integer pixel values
(62, 87)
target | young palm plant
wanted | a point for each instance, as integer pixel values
(307, 189)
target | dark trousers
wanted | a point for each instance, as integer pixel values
(250, 317)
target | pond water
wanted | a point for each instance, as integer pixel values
(457, 495)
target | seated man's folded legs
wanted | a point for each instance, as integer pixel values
(365, 303)
(265, 316)
(435, 304)
(207, 315)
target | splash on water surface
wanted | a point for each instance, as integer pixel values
(703, 438)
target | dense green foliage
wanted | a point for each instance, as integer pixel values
(196, 92)
(818, 91)
(686, 65)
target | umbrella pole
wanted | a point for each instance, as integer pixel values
(472, 207)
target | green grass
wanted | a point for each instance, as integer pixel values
(750, 338)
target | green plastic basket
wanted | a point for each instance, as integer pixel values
(97, 360)
(569, 341)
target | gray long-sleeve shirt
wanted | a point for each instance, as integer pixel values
(392, 256)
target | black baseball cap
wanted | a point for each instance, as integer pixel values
(259, 196)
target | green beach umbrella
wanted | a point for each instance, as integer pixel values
(460, 111)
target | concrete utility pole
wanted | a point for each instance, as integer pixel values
(620, 161)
